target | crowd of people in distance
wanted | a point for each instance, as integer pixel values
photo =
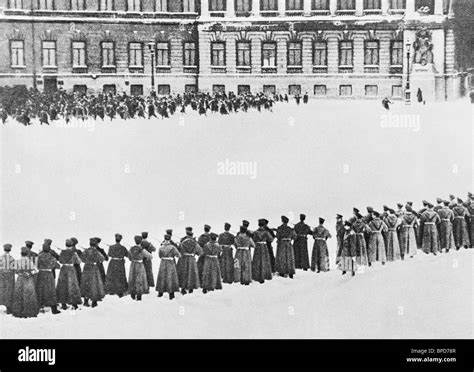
(29, 283)
(30, 106)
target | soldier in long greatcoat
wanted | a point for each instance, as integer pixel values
(243, 243)
(461, 235)
(270, 246)
(147, 261)
(300, 245)
(360, 228)
(167, 280)
(393, 246)
(92, 286)
(45, 283)
(376, 251)
(211, 274)
(470, 225)
(100, 265)
(25, 300)
(226, 259)
(285, 257)
(68, 288)
(339, 236)
(445, 227)
(77, 267)
(429, 219)
(320, 254)
(202, 240)
(188, 276)
(116, 279)
(349, 249)
(408, 233)
(137, 279)
(261, 267)
(7, 278)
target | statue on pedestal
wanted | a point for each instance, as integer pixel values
(423, 47)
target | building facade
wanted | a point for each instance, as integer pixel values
(327, 48)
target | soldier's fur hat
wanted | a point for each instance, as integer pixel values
(245, 223)
(425, 203)
(207, 228)
(321, 220)
(74, 241)
(7, 247)
(214, 236)
(261, 222)
(48, 241)
(370, 209)
(227, 226)
(167, 237)
(144, 235)
(93, 241)
(302, 217)
(385, 208)
(118, 237)
(355, 210)
(29, 243)
(446, 202)
(138, 239)
(189, 229)
(439, 200)
(284, 219)
(400, 205)
(169, 231)
(69, 243)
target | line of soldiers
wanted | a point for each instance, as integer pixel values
(226, 258)
(24, 106)
(395, 234)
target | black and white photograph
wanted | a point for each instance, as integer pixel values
(237, 169)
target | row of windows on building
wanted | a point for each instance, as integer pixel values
(109, 5)
(162, 52)
(319, 90)
(221, 5)
(108, 54)
(298, 5)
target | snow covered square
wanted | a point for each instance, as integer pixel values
(98, 178)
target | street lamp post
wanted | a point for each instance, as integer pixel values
(151, 46)
(407, 89)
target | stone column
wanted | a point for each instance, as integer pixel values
(438, 7)
(255, 8)
(358, 45)
(359, 7)
(307, 55)
(282, 7)
(332, 7)
(307, 7)
(384, 53)
(230, 54)
(204, 8)
(282, 55)
(333, 54)
(256, 55)
(385, 6)
(449, 51)
(230, 10)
